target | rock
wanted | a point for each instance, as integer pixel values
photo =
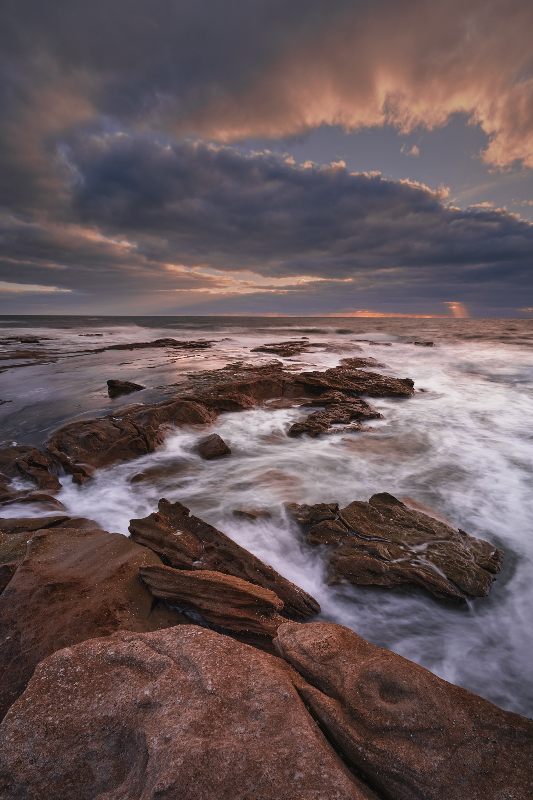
(114, 439)
(181, 713)
(356, 381)
(116, 388)
(200, 344)
(221, 599)
(72, 585)
(47, 502)
(28, 462)
(423, 344)
(30, 524)
(251, 514)
(321, 522)
(360, 363)
(287, 349)
(411, 734)
(389, 544)
(336, 413)
(187, 542)
(12, 550)
(212, 446)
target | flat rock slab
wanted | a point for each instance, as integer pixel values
(29, 524)
(385, 543)
(181, 713)
(220, 599)
(187, 542)
(212, 446)
(413, 735)
(71, 585)
(116, 387)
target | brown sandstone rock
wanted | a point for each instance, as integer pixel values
(28, 462)
(356, 381)
(335, 413)
(116, 387)
(187, 542)
(287, 349)
(72, 585)
(181, 713)
(116, 438)
(413, 735)
(29, 524)
(12, 550)
(212, 446)
(200, 344)
(396, 545)
(221, 599)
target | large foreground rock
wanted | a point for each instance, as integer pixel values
(413, 735)
(71, 585)
(187, 542)
(385, 543)
(180, 714)
(220, 599)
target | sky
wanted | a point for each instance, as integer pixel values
(291, 157)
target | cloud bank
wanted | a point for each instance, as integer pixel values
(119, 182)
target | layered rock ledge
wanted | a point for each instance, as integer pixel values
(385, 543)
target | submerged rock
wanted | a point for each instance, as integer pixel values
(181, 713)
(411, 734)
(200, 344)
(212, 446)
(287, 349)
(116, 388)
(71, 585)
(385, 543)
(251, 514)
(187, 542)
(221, 599)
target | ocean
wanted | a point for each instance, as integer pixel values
(462, 446)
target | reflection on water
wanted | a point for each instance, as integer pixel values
(462, 447)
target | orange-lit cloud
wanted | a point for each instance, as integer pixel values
(406, 64)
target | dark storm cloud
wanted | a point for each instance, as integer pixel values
(131, 215)
(240, 212)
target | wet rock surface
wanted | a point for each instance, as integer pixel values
(338, 410)
(212, 446)
(116, 387)
(71, 585)
(134, 432)
(200, 344)
(221, 599)
(411, 734)
(355, 381)
(180, 713)
(251, 514)
(28, 462)
(187, 542)
(385, 543)
(289, 348)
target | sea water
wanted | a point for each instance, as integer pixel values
(461, 446)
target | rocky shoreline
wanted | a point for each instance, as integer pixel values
(175, 663)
